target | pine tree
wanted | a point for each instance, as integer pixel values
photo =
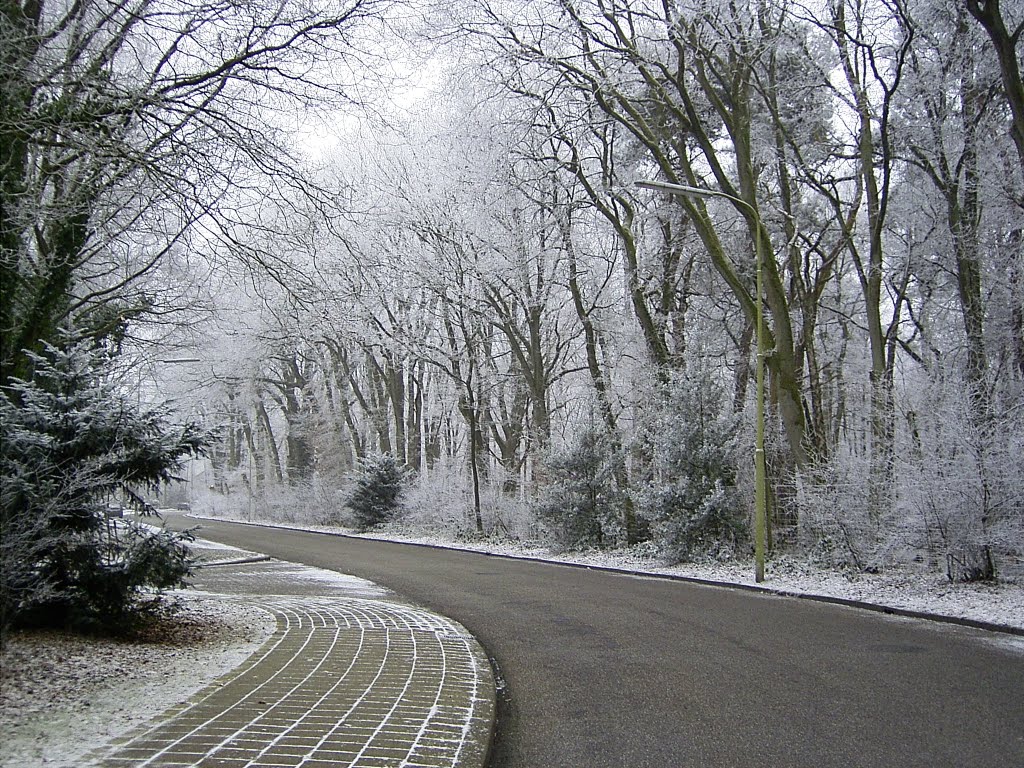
(584, 506)
(377, 496)
(69, 442)
(690, 496)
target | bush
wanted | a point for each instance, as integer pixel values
(583, 506)
(68, 444)
(377, 497)
(690, 492)
(113, 591)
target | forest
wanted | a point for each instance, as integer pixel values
(366, 233)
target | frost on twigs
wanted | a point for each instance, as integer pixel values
(956, 500)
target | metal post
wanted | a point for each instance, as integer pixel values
(760, 476)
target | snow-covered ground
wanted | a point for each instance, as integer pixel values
(64, 695)
(1000, 603)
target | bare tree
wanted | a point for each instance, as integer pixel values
(129, 126)
(679, 82)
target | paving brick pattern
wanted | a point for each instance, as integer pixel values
(342, 682)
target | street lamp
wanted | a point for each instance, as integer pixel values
(760, 477)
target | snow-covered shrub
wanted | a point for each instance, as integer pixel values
(109, 591)
(440, 501)
(960, 480)
(377, 497)
(582, 504)
(441, 504)
(689, 491)
(834, 528)
(69, 442)
(957, 497)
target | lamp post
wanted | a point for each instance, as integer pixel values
(760, 476)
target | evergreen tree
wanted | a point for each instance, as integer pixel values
(690, 495)
(69, 443)
(584, 506)
(378, 493)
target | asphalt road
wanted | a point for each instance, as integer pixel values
(625, 672)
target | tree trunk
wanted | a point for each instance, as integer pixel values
(268, 431)
(631, 524)
(988, 14)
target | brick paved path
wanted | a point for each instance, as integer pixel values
(342, 682)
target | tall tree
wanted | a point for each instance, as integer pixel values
(1006, 40)
(679, 81)
(125, 126)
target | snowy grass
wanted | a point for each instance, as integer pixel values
(65, 695)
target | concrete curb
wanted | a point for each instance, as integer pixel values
(236, 561)
(768, 591)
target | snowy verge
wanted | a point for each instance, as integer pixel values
(1000, 604)
(64, 696)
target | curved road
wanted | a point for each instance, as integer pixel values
(612, 670)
